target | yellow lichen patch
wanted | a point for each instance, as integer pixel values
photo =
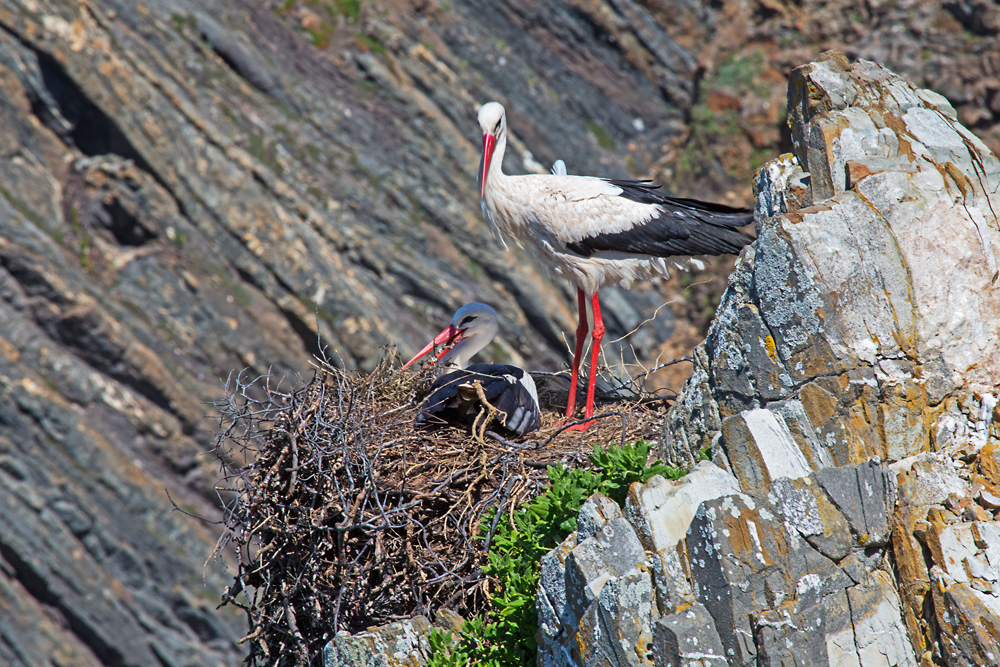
(770, 348)
(989, 462)
(581, 643)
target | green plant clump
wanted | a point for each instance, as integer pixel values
(506, 638)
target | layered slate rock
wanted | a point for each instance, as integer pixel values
(867, 312)
(687, 638)
(863, 326)
(730, 578)
(402, 644)
(194, 188)
(602, 591)
(661, 511)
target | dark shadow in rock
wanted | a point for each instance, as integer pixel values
(94, 132)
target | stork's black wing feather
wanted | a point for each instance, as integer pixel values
(514, 399)
(503, 388)
(646, 192)
(684, 227)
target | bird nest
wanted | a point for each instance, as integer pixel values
(343, 516)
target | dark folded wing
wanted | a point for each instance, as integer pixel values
(503, 386)
(442, 395)
(683, 227)
(506, 388)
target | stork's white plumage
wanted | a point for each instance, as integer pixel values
(453, 396)
(594, 231)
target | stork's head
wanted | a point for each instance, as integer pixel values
(493, 122)
(472, 328)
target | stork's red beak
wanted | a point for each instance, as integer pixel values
(449, 337)
(489, 143)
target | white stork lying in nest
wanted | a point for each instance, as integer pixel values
(453, 396)
(594, 230)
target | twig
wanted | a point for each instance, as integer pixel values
(183, 511)
(663, 365)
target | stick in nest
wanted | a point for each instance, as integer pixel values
(479, 430)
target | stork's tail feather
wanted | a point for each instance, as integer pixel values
(719, 240)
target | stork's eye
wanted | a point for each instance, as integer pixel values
(466, 320)
(496, 128)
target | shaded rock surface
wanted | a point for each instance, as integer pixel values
(189, 188)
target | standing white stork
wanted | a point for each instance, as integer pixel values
(453, 396)
(595, 230)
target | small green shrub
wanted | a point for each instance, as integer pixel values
(443, 654)
(507, 637)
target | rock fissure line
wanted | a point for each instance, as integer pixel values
(78, 624)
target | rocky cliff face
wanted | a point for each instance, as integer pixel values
(190, 188)
(869, 302)
(859, 330)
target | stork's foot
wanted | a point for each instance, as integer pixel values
(583, 426)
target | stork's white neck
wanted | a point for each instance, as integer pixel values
(475, 340)
(495, 173)
(493, 191)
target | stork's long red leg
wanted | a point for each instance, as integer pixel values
(595, 345)
(595, 352)
(581, 336)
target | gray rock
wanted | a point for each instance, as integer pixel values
(687, 639)
(600, 589)
(761, 449)
(844, 287)
(556, 622)
(775, 580)
(612, 552)
(795, 635)
(879, 633)
(661, 512)
(844, 332)
(794, 414)
(861, 625)
(670, 576)
(404, 644)
(239, 56)
(806, 509)
(596, 512)
(744, 560)
(865, 494)
(617, 628)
